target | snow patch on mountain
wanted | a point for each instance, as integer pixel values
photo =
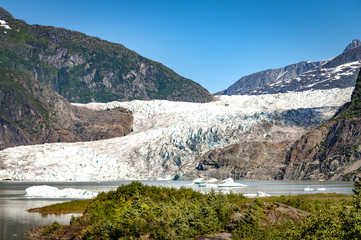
(168, 136)
(342, 76)
(4, 24)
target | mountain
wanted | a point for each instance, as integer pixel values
(338, 72)
(339, 76)
(87, 69)
(256, 80)
(331, 151)
(32, 113)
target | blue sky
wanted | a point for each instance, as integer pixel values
(213, 42)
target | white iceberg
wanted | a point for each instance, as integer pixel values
(262, 194)
(198, 181)
(258, 194)
(230, 183)
(202, 181)
(45, 191)
(208, 185)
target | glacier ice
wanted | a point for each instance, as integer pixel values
(169, 136)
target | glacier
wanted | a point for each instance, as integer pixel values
(168, 136)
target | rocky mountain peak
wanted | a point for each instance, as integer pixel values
(353, 44)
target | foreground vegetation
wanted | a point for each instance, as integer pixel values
(136, 211)
(76, 206)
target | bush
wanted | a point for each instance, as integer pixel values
(135, 210)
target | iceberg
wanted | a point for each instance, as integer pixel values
(208, 185)
(230, 183)
(258, 194)
(198, 181)
(45, 191)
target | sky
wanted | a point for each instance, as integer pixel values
(212, 42)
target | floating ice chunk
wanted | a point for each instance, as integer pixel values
(262, 194)
(307, 189)
(198, 181)
(258, 194)
(230, 183)
(53, 192)
(208, 185)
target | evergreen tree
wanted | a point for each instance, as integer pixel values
(357, 187)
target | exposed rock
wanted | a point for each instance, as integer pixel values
(87, 69)
(353, 44)
(278, 212)
(67, 232)
(216, 236)
(248, 160)
(332, 151)
(274, 213)
(32, 113)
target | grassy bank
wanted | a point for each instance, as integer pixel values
(76, 206)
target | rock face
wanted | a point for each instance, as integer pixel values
(353, 44)
(248, 160)
(32, 113)
(338, 72)
(331, 151)
(87, 69)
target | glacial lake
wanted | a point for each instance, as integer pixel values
(15, 220)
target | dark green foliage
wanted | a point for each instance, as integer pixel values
(135, 210)
(357, 187)
(55, 226)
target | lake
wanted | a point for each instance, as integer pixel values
(15, 220)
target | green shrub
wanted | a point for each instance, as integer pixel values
(55, 226)
(135, 210)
